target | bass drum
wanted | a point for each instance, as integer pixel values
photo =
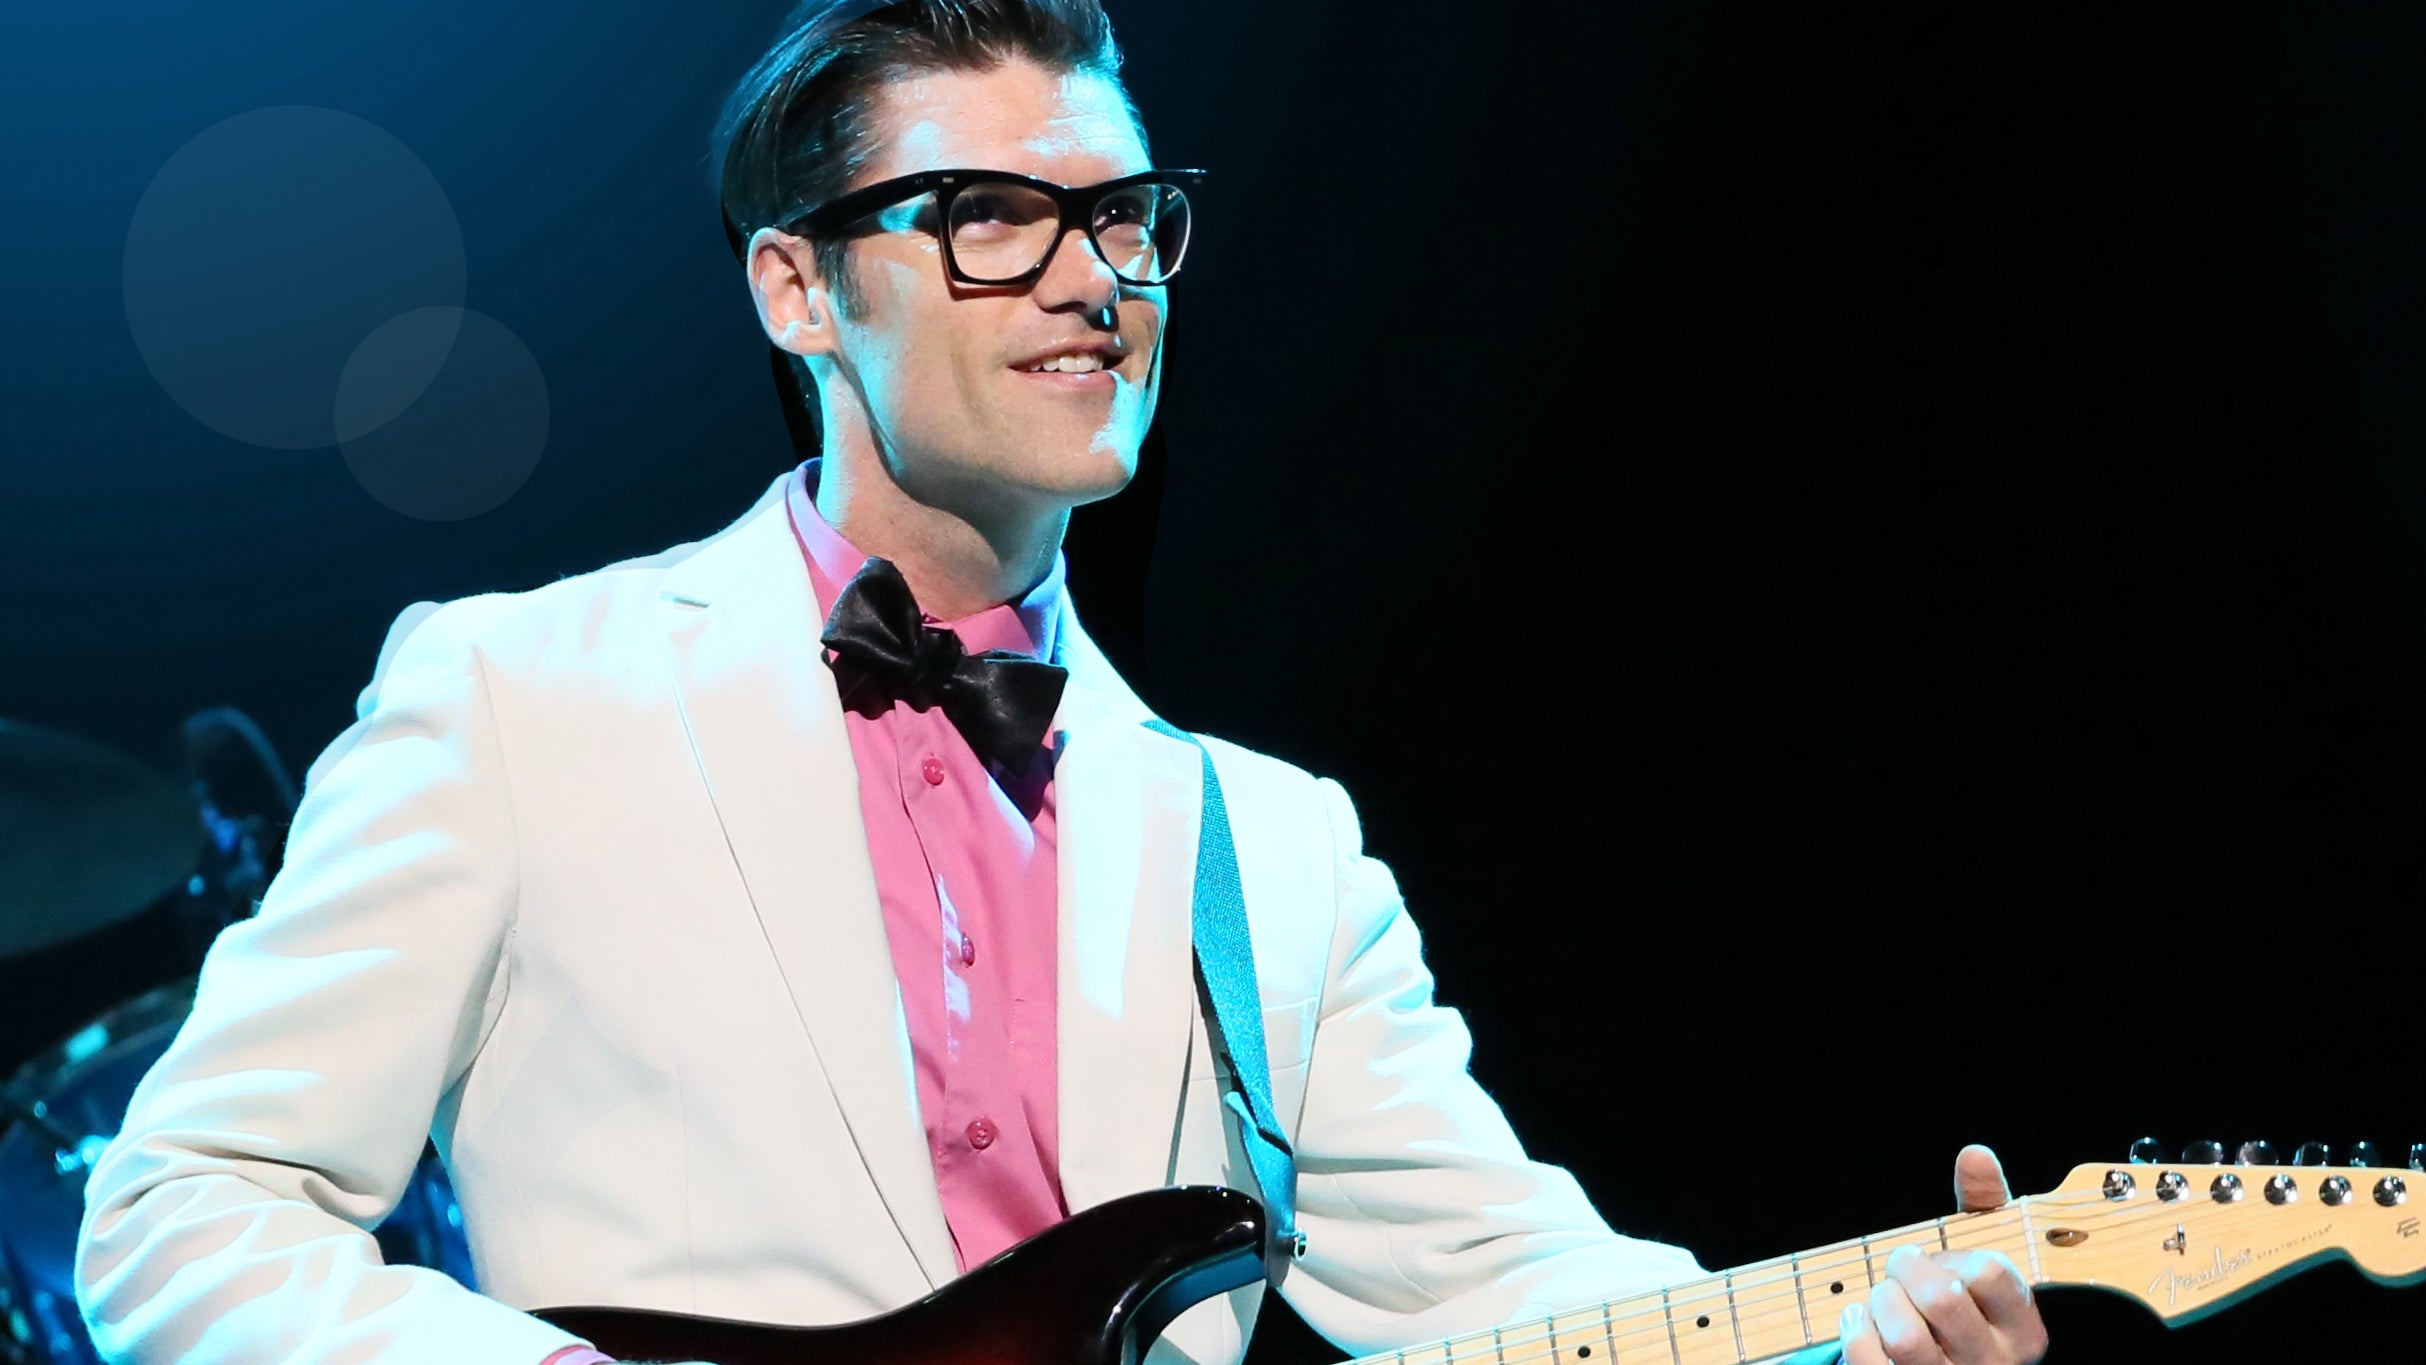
(80, 1088)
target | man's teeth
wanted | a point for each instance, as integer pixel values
(1085, 363)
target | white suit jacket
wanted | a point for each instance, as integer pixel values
(584, 892)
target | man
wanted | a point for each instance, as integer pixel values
(747, 976)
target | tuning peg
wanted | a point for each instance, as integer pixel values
(2147, 1152)
(2255, 1152)
(2312, 1154)
(2417, 1156)
(2204, 1152)
(2365, 1154)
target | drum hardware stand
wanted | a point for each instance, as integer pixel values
(95, 838)
(75, 1155)
(228, 883)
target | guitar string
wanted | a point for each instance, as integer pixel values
(1635, 1322)
(1658, 1331)
(1818, 1261)
(1970, 1230)
(1758, 1311)
(1715, 1287)
(1707, 1289)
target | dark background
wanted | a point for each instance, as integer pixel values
(1866, 564)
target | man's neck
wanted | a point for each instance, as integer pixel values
(958, 560)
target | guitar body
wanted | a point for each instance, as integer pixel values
(1094, 1289)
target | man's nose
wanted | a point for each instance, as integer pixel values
(1076, 277)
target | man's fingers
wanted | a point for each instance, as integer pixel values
(1979, 1180)
(1903, 1334)
(1996, 1285)
(1855, 1335)
(1940, 1297)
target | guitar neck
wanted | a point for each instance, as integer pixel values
(2185, 1240)
(1752, 1312)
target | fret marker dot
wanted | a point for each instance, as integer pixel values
(1837, 1288)
(1703, 1321)
(1582, 1351)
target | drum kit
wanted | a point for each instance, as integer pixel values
(92, 839)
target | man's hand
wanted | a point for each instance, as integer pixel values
(1950, 1307)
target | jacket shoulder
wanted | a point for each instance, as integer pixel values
(559, 622)
(1238, 763)
(1261, 789)
(577, 622)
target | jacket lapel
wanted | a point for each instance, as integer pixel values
(764, 721)
(1128, 804)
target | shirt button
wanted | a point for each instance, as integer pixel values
(968, 951)
(931, 768)
(981, 1134)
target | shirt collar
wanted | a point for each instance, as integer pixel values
(1028, 626)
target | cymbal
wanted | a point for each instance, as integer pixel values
(88, 836)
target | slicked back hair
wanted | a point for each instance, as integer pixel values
(797, 129)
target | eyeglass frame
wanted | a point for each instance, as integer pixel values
(1075, 202)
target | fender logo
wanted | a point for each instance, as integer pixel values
(2407, 1227)
(2173, 1284)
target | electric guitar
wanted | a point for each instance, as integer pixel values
(2186, 1239)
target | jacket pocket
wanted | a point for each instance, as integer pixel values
(1288, 1038)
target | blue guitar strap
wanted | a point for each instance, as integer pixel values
(1225, 971)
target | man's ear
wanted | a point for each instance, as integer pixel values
(795, 304)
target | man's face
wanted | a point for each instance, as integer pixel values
(945, 371)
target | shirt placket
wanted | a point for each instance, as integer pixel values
(960, 1129)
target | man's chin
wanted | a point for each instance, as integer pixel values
(1088, 468)
(1070, 477)
(1098, 474)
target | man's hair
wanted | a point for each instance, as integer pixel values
(798, 128)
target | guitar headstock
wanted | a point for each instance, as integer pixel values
(2188, 1237)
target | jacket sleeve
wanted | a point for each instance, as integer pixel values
(227, 1222)
(1423, 1216)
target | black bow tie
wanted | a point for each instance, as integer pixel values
(1001, 702)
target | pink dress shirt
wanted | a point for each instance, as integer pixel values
(965, 871)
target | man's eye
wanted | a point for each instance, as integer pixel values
(983, 208)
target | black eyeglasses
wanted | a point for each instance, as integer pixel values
(1001, 228)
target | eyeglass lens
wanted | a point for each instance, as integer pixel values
(1000, 231)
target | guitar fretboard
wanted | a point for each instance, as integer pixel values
(1753, 1312)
